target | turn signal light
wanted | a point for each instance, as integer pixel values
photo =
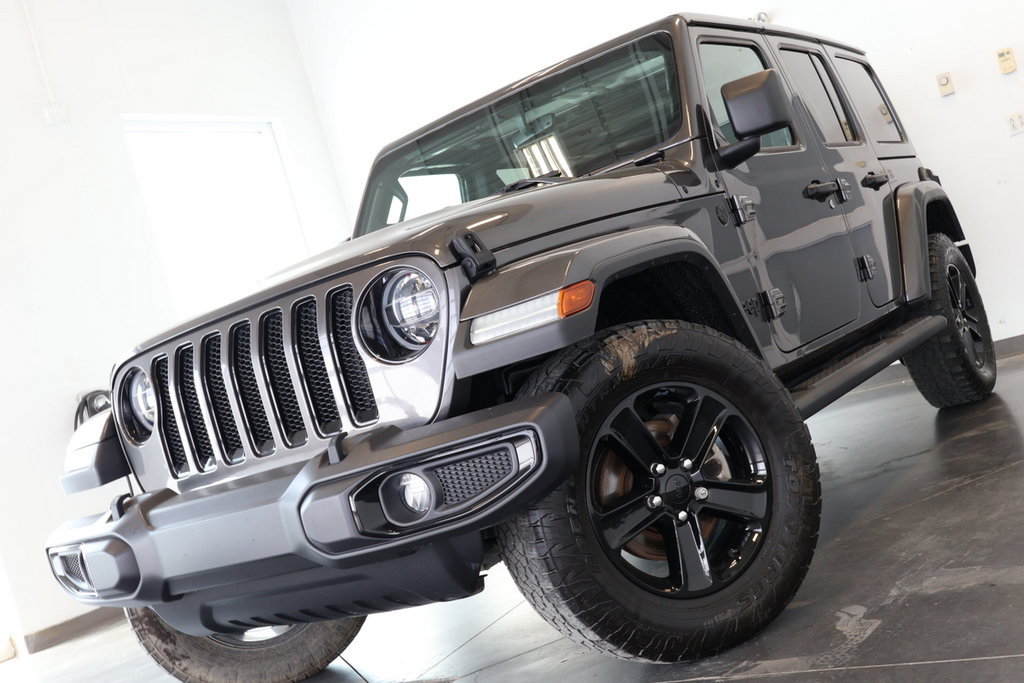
(575, 298)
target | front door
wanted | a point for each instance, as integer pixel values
(794, 227)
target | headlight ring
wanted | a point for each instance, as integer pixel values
(138, 405)
(400, 314)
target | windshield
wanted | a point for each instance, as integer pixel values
(574, 122)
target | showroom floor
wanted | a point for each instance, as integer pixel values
(919, 575)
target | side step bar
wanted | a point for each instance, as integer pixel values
(812, 396)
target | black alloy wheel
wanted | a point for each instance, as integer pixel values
(966, 315)
(679, 496)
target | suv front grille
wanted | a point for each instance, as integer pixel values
(230, 401)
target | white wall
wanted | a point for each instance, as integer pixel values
(381, 70)
(79, 281)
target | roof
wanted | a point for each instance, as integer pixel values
(666, 24)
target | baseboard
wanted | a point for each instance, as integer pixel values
(1011, 346)
(55, 635)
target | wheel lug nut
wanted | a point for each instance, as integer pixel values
(687, 464)
(682, 516)
(654, 502)
(658, 469)
(700, 493)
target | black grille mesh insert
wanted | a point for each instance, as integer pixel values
(353, 369)
(463, 480)
(168, 423)
(72, 565)
(193, 412)
(217, 390)
(280, 379)
(245, 375)
(314, 369)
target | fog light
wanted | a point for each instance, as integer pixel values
(415, 492)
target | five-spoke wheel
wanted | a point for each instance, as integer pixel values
(679, 496)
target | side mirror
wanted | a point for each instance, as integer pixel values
(756, 104)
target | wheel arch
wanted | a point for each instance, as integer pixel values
(924, 208)
(616, 264)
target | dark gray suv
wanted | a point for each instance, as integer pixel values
(579, 331)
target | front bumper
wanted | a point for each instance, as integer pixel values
(319, 540)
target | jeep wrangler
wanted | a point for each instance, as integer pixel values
(579, 330)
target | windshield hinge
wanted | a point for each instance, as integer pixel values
(650, 158)
(473, 255)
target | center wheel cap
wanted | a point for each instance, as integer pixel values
(677, 490)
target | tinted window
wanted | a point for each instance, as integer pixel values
(879, 123)
(808, 74)
(577, 121)
(723, 64)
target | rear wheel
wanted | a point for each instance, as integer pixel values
(692, 516)
(957, 365)
(271, 654)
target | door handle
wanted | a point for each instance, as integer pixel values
(821, 191)
(875, 181)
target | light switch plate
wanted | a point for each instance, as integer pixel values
(1007, 62)
(945, 81)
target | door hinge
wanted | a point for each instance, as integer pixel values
(866, 267)
(766, 305)
(743, 208)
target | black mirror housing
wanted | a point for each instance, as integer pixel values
(756, 104)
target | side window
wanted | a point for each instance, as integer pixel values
(867, 97)
(722, 64)
(818, 94)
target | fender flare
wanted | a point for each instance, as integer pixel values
(603, 260)
(912, 202)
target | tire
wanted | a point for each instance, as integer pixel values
(958, 365)
(294, 655)
(617, 575)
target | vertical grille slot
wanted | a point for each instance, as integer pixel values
(314, 369)
(168, 423)
(193, 411)
(281, 386)
(353, 369)
(216, 389)
(245, 376)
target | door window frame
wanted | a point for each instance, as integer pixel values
(884, 150)
(859, 137)
(767, 59)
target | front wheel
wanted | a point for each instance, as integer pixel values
(692, 516)
(269, 655)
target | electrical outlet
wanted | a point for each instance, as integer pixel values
(1016, 123)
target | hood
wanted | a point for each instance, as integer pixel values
(500, 221)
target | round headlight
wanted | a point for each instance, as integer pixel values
(400, 315)
(138, 402)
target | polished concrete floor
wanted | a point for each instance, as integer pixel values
(918, 576)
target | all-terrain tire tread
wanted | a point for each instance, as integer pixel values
(549, 574)
(939, 367)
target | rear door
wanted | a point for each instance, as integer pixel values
(850, 159)
(801, 244)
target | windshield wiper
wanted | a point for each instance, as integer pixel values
(543, 179)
